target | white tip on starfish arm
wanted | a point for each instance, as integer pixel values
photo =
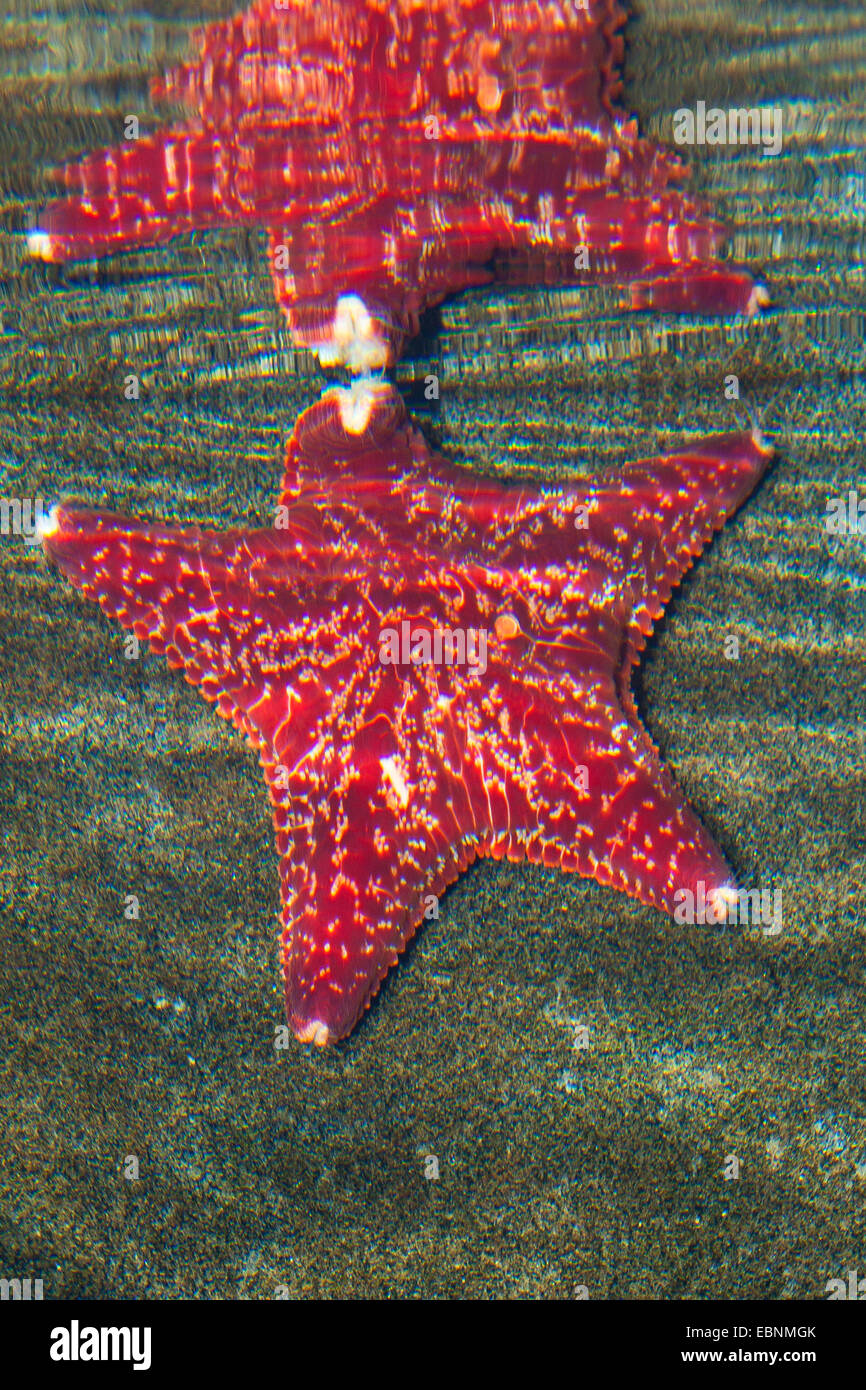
(40, 245)
(354, 342)
(759, 439)
(722, 899)
(759, 298)
(356, 403)
(47, 526)
(315, 1032)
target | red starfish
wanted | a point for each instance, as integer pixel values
(390, 770)
(393, 150)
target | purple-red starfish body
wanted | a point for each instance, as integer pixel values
(396, 151)
(433, 666)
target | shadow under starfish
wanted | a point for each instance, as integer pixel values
(432, 666)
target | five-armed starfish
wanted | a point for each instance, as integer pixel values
(433, 666)
(399, 152)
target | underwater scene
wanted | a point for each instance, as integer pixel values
(432, 651)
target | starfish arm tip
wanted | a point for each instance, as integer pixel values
(41, 245)
(761, 443)
(354, 341)
(721, 899)
(48, 526)
(313, 1030)
(759, 298)
(357, 402)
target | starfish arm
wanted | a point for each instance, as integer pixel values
(137, 194)
(365, 855)
(633, 828)
(572, 781)
(190, 594)
(653, 846)
(378, 808)
(675, 504)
